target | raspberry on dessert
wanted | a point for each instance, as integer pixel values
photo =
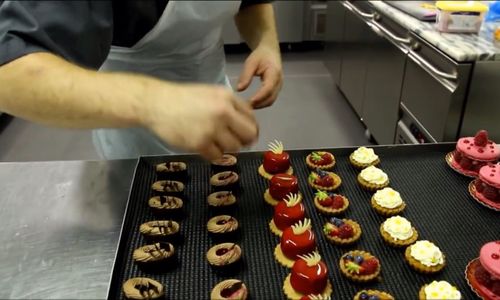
(346, 231)
(369, 266)
(337, 202)
(481, 138)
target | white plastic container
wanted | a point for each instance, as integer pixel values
(460, 16)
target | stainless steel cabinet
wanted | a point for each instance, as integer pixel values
(434, 91)
(384, 78)
(355, 51)
(334, 39)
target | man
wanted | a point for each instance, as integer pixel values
(163, 71)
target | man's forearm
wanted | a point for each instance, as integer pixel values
(257, 26)
(46, 89)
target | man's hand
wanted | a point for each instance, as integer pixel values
(206, 119)
(266, 64)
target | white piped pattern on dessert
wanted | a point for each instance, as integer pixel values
(292, 200)
(441, 290)
(301, 226)
(311, 259)
(427, 253)
(388, 198)
(398, 228)
(276, 147)
(374, 175)
(364, 155)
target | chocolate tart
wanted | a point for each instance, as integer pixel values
(223, 227)
(160, 230)
(173, 170)
(157, 257)
(168, 206)
(168, 187)
(225, 258)
(225, 181)
(229, 289)
(227, 162)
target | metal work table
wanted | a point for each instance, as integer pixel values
(60, 227)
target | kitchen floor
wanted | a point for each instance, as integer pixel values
(310, 113)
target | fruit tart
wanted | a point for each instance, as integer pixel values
(324, 180)
(359, 266)
(342, 231)
(398, 232)
(373, 295)
(320, 160)
(439, 290)
(486, 189)
(425, 257)
(287, 213)
(330, 203)
(309, 277)
(483, 273)
(276, 161)
(296, 240)
(279, 187)
(472, 153)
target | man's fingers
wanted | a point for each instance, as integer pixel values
(211, 152)
(245, 108)
(270, 82)
(243, 127)
(249, 70)
(227, 141)
(266, 102)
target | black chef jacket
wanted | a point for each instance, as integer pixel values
(80, 31)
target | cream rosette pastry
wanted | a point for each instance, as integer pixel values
(398, 232)
(439, 290)
(425, 257)
(364, 157)
(387, 202)
(373, 179)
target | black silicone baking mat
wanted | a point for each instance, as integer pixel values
(438, 205)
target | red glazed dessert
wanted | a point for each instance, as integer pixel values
(309, 276)
(320, 160)
(486, 188)
(276, 161)
(483, 273)
(287, 213)
(280, 186)
(472, 153)
(324, 180)
(296, 240)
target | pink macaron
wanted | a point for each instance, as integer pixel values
(489, 256)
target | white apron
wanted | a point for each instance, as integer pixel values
(184, 46)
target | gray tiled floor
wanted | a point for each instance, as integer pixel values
(310, 113)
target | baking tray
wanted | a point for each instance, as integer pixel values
(438, 205)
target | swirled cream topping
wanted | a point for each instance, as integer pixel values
(398, 228)
(388, 198)
(427, 253)
(374, 175)
(364, 155)
(441, 290)
(221, 224)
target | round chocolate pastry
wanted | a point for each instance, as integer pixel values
(222, 198)
(165, 205)
(224, 256)
(229, 289)
(159, 230)
(139, 288)
(168, 187)
(171, 170)
(227, 181)
(154, 257)
(226, 163)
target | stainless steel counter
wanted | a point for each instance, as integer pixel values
(60, 224)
